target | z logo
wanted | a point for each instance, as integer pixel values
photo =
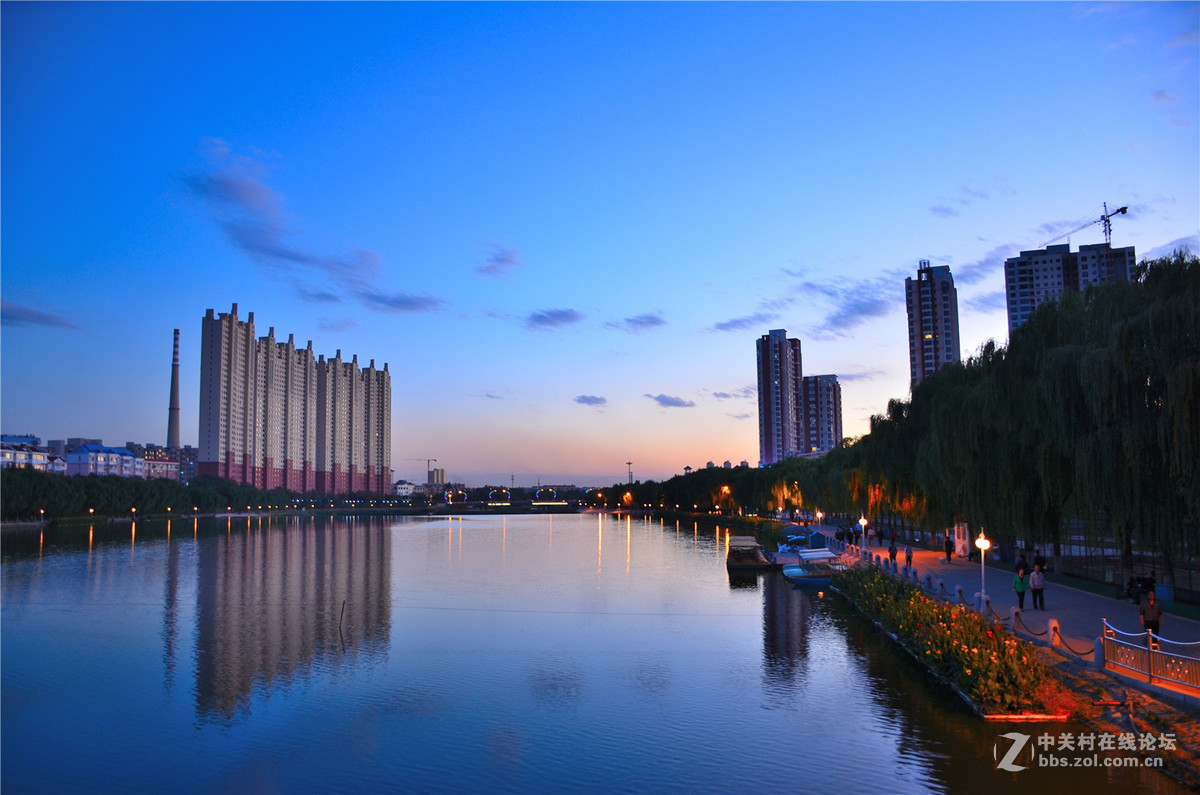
(1018, 743)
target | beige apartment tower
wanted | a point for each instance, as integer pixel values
(274, 416)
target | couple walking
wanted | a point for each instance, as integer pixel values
(1027, 580)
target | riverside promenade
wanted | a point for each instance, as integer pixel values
(1079, 613)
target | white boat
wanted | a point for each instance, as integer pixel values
(816, 566)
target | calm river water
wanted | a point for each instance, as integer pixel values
(568, 653)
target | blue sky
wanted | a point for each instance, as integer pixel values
(563, 226)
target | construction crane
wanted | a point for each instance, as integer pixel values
(1105, 219)
(427, 461)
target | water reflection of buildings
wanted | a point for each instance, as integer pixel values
(269, 605)
(786, 619)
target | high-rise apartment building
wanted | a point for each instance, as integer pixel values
(933, 340)
(1045, 274)
(779, 390)
(272, 415)
(821, 397)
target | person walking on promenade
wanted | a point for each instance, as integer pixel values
(1038, 558)
(892, 551)
(1037, 584)
(949, 547)
(1020, 586)
(1022, 564)
(1151, 613)
(908, 555)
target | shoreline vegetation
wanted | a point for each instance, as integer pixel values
(1003, 678)
(997, 673)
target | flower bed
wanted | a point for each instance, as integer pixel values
(997, 672)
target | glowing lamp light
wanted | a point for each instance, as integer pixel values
(983, 544)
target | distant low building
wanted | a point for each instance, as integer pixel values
(161, 462)
(96, 459)
(21, 438)
(21, 455)
(188, 456)
(402, 488)
(64, 446)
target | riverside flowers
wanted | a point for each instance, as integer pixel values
(996, 671)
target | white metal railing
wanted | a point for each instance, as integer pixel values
(1142, 652)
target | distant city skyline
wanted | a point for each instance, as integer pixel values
(563, 225)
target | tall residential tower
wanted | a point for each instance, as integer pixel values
(272, 415)
(779, 397)
(822, 414)
(933, 340)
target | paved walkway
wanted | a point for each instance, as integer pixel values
(1079, 613)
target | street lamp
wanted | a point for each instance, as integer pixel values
(862, 522)
(820, 516)
(983, 544)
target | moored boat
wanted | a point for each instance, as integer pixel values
(745, 553)
(816, 566)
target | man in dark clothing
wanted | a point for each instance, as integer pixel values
(1151, 613)
(1039, 559)
(949, 547)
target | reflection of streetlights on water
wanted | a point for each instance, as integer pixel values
(983, 544)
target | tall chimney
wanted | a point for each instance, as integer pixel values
(173, 409)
